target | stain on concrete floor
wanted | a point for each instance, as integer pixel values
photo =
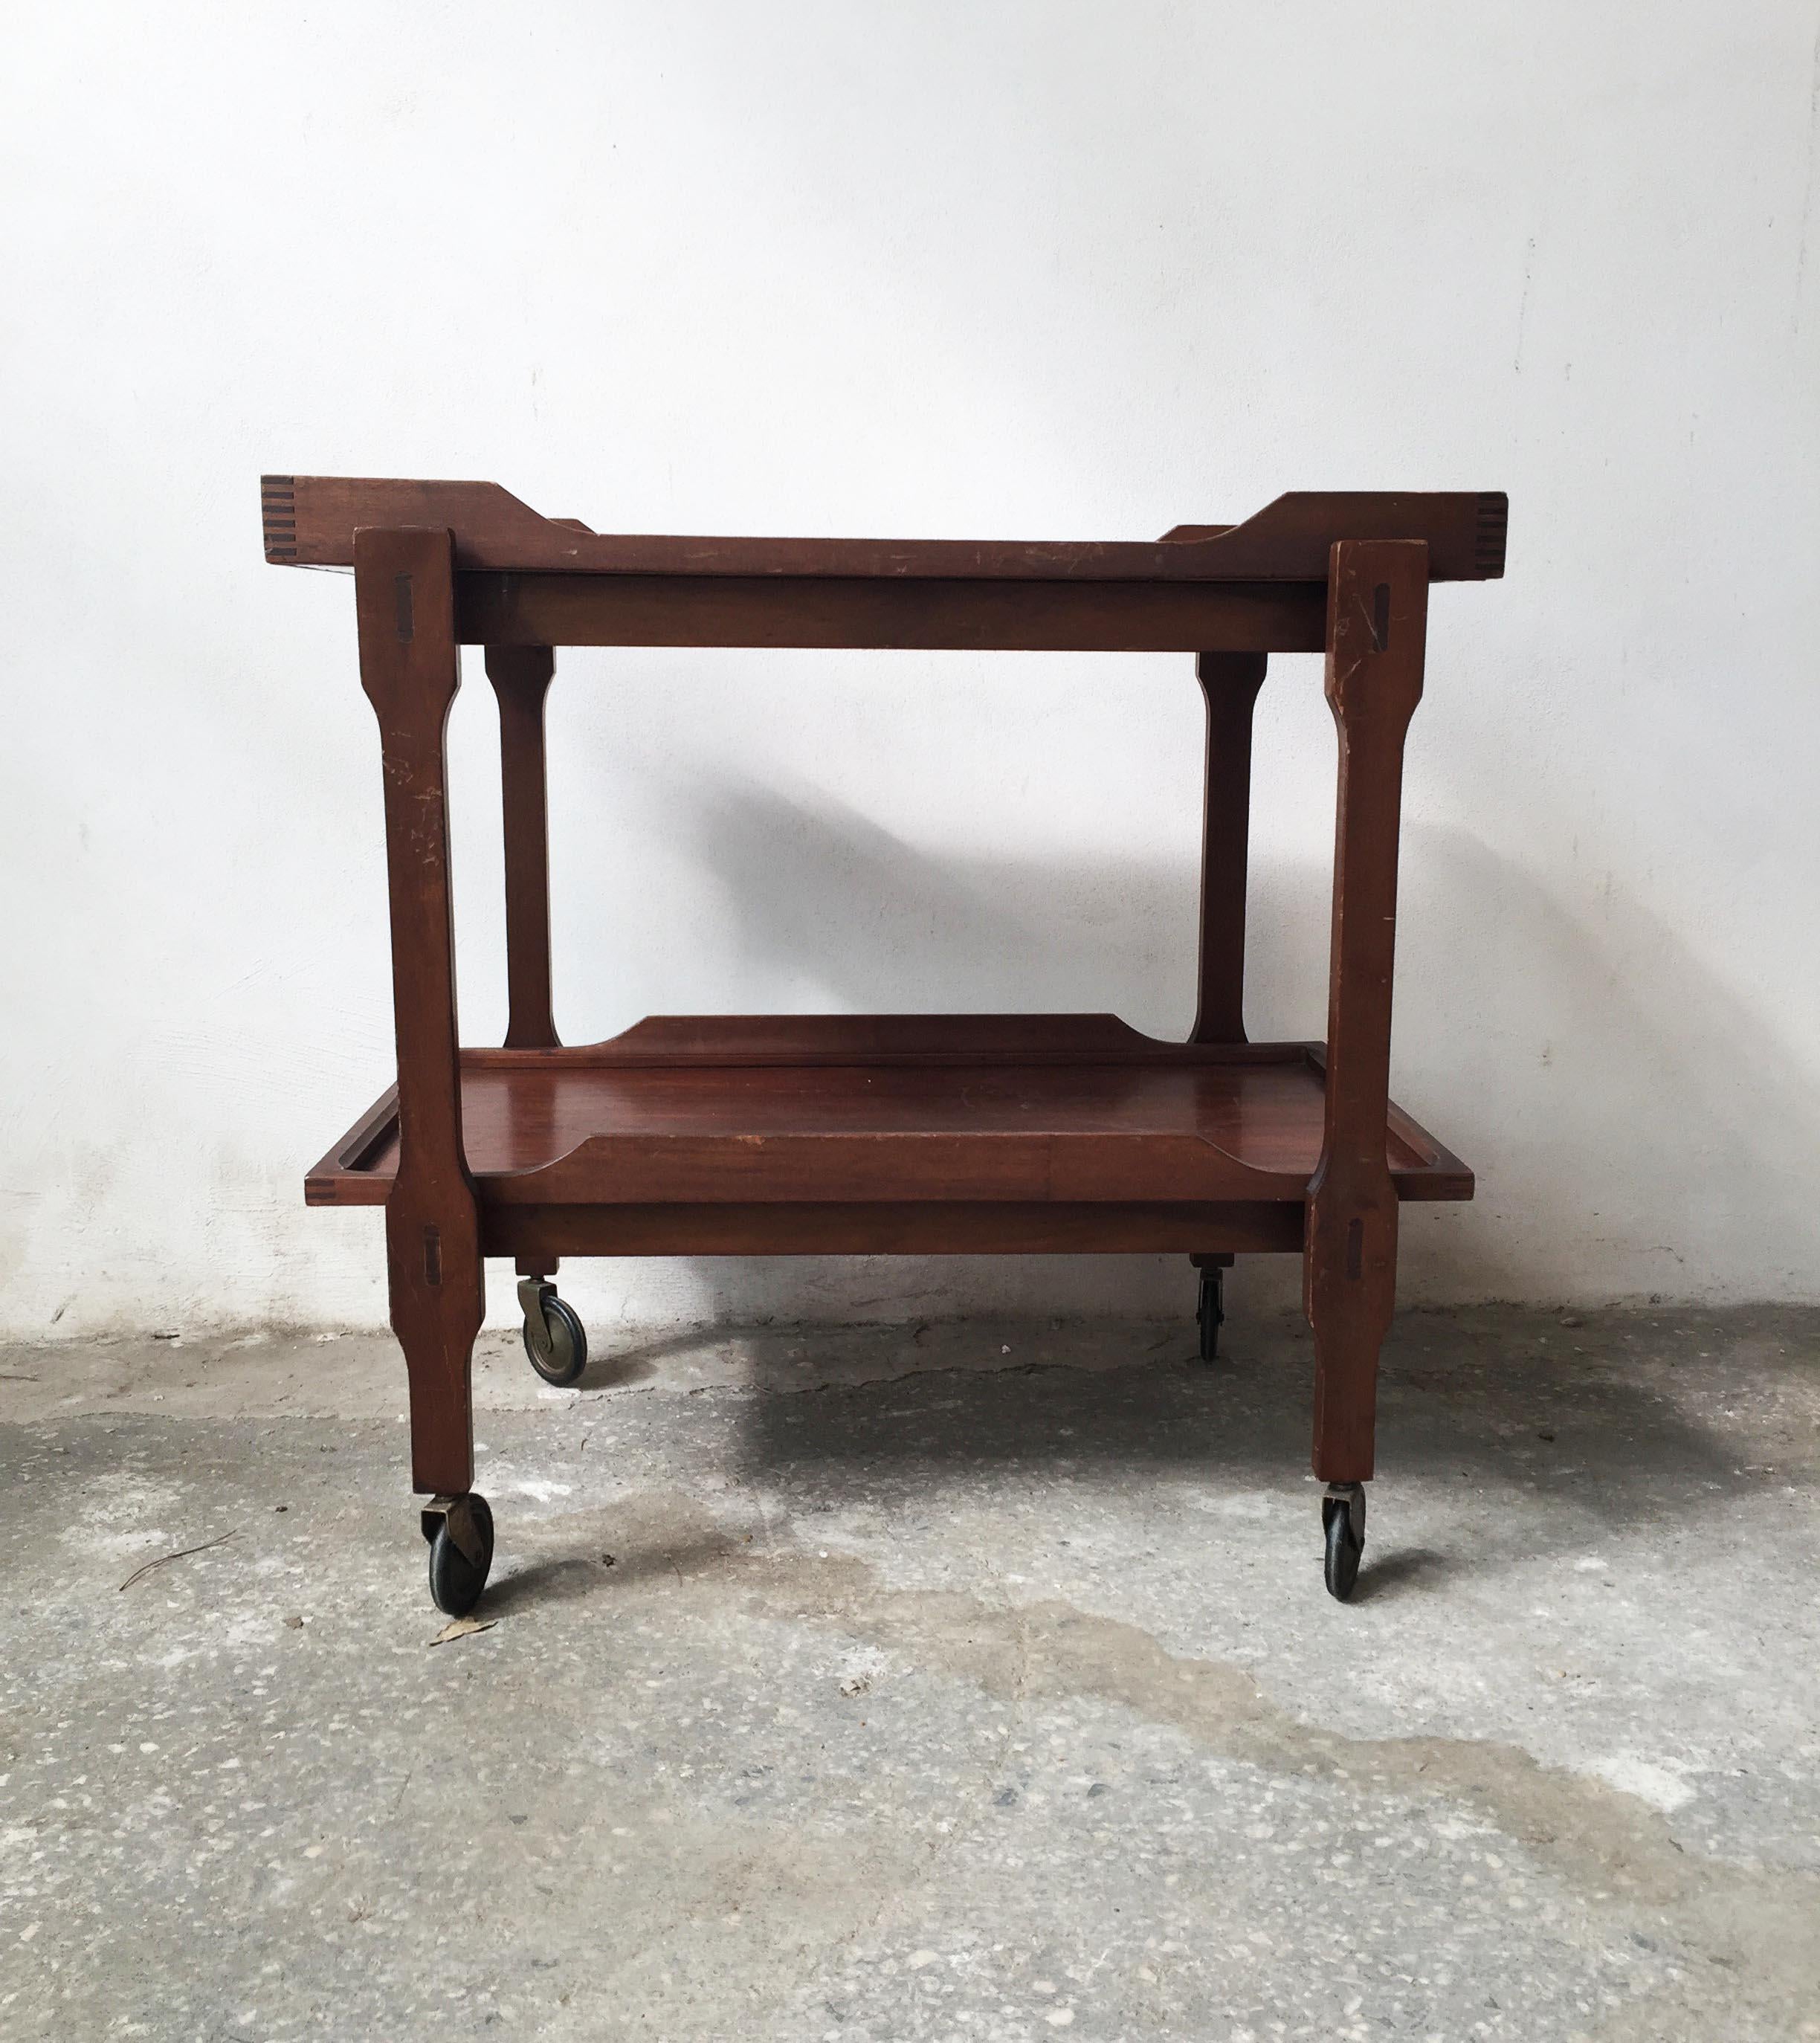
(969, 1681)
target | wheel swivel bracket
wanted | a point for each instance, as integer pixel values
(1349, 1497)
(457, 1514)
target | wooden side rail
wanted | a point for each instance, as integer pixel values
(310, 520)
(983, 615)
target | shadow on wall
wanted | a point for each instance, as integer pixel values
(1549, 1051)
(838, 915)
(1634, 1122)
(818, 890)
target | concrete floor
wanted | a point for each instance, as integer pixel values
(971, 1681)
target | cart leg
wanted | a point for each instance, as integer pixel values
(438, 1304)
(1350, 1282)
(1377, 594)
(1230, 681)
(1350, 1277)
(404, 582)
(521, 677)
(1350, 1291)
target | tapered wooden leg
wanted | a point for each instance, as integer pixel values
(521, 676)
(1377, 621)
(404, 597)
(1349, 1332)
(1230, 681)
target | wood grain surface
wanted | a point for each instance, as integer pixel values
(934, 1134)
(797, 1119)
(311, 521)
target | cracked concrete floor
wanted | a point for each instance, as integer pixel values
(971, 1681)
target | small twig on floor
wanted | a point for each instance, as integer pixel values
(182, 1552)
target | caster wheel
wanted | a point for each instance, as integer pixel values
(1342, 1519)
(460, 1530)
(554, 1337)
(1210, 1315)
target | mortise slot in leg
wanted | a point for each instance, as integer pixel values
(432, 1256)
(1355, 1249)
(1380, 617)
(401, 591)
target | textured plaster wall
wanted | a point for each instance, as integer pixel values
(1018, 270)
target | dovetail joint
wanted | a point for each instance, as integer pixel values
(1489, 542)
(278, 510)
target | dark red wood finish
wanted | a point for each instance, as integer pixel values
(996, 614)
(1230, 681)
(1377, 611)
(521, 677)
(403, 589)
(1041, 1109)
(311, 519)
(854, 1134)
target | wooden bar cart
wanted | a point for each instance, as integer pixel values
(847, 1134)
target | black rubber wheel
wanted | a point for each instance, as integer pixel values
(1210, 1314)
(1344, 1548)
(557, 1342)
(455, 1582)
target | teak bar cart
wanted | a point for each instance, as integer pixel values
(910, 1134)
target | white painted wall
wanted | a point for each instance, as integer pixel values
(1027, 268)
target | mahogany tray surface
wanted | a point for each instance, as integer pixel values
(1070, 1109)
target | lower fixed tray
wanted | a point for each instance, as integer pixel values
(911, 1113)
